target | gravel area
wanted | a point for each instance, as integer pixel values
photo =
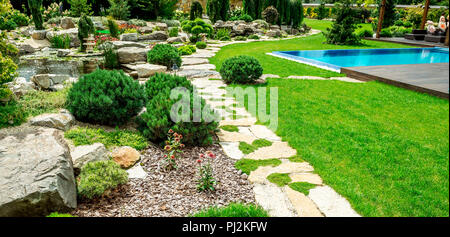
(172, 193)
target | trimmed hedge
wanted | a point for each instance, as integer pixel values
(105, 97)
(156, 121)
(241, 69)
(200, 45)
(164, 54)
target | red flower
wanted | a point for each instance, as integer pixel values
(202, 156)
(172, 157)
(199, 161)
(167, 148)
(165, 156)
(212, 155)
(170, 131)
(182, 145)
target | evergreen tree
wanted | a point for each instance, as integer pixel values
(343, 29)
(196, 11)
(119, 9)
(36, 10)
(85, 28)
(218, 9)
(390, 14)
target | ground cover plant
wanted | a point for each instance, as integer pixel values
(233, 210)
(385, 139)
(249, 165)
(88, 136)
(249, 148)
(280, 179)
(302, 187)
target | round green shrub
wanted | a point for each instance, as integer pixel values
(173, 32)
(164, 54)
(254, 37)
(246, 18)
(98, 177)
(105, 97)
(200, 45)
(240, 38)
(241, 69)
(386, 32)
(197, 30)
(184, 50)
(156, 121)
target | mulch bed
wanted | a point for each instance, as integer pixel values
(172, 193)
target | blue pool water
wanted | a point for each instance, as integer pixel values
(335, 59)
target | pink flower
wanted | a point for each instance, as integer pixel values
(202, 156)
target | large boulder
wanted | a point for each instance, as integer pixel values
(147, 70)
(38, 34)
(82, 155)
(146, 29)
(67, 23)
(72, 33)
(129, 37)
(46, 81)
(123, 44)
(20, 86)
(157, 35)
(172, 40)
(132, 54)
(36, 174)
(61, 121)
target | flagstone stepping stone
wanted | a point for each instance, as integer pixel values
(199, 67)
(194, 61)
(136, 172)
(304, 206)
(276, 150)
(203, 54)
(330, 203)
(231, 149)
(274, 200)
(262, 131)
(196, 73)
(346, 79)
(306, 78)
(238, 122)
(306, 177)
(214, 103)
(225, 136)
(246, 131)
(265, 76)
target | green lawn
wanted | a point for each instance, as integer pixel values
(384, 148)
(283, 67)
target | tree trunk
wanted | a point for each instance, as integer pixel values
(425, 14)
(380, 19)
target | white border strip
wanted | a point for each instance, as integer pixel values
(305, 62)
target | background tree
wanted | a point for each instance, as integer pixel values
(119, 9)
(79, 7)
(36, 10)
(343, 29)
(218, 9)
(196, 11)
(390, 14)
(321, 11)
(296, 15)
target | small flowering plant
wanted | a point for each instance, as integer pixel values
(172, 149)
(206, 180)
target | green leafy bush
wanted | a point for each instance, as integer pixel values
(12, 19)
(246, 18)
(7, 67)
(240, 38)
(156, 121)
(173, 32)
(270, 15)
(196, 11)
(254, 37)
(35, 8)
(88, 136)
(200, 45)
(187, 49)
(85, 28)
(233, 210)
(365, 33)
(164, 54)
(223, 34)
(60, 42)
(241, 69)
(386, 32)
(105, 97)
(113, 28)
(11, 114)
(97, 177)
(110, 55)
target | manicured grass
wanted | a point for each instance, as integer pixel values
(385, 149)
(283, 67)
(233, 210)
(230, 128)
(279, 179)
(87, 136)
(249, 165)
(57, 214)
(249, 148)
(302, 187)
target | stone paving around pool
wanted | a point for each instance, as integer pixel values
(321, 201)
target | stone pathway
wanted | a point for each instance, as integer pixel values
(322, 200)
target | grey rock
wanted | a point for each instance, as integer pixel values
(161, 26)
(45, 81)
(175, 40)
(61, 121)
(20, 86)
(82, 155)
(148, 70)
(67, 23)
(274, 33)
(36, 174)
(38, 34)
(129, 37)
(157, 35)
(132, 55)
(63, 52)
(123, 44)
(146, 29)
(72, 33)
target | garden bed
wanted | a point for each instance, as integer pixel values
(172, 193)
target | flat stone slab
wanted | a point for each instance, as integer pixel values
(199, 67)
(136, 172)
(261, 131)
(306, 78)
(260, 174)
(265, 76)
(194, 61)
(274, 200)
(346, 79)
(304, 206)
(276, 150)
(123, 44)
(196, 73)
(148, 70)
(330, 203)
(225, 136)
(231, 149)
(306, 177)
(238, 122)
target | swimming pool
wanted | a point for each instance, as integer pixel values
(336, 59)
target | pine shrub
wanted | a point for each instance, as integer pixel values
(343, 29)
(113, 28)
(98, 177)
(105, 97)
(119, 9)
(156, 121)
(164, 54)
(241, 69)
